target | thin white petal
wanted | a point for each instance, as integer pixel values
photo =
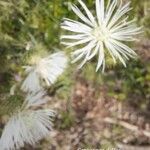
(26, 128)
(94, 52)
(47, 69)
(69, 24)
(118, 14)
(36, 99)
(100, 56)
(80, 15)
(83, 41)
(85, 51)
(110, 12)
(89, 14)
(32, 82)
(100, 11)
(74, 37)
(115, 53)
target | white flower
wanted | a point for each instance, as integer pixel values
(26, 127)
(47, 69)
(102, 35)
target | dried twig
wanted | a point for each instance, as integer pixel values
(130, 147)
(127, 126)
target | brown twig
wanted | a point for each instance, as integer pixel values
(127, 126)
(130, 147)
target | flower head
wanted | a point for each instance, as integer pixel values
(47, 69)
(27, 126)
(103, 34)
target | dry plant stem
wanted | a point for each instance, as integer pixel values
(129, 147)
(127, 126)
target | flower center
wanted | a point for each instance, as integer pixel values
(35, 60)
(101, 34)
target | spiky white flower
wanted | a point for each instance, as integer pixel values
(103, 34)
(27, 126)
(47, 69)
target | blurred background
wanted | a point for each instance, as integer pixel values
(95, 110)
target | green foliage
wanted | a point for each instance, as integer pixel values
(140, 11)
(67, 120)
(11, 104)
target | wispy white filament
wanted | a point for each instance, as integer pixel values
(47, 69)
(105, 32)
(36, 99)
(27, 126)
